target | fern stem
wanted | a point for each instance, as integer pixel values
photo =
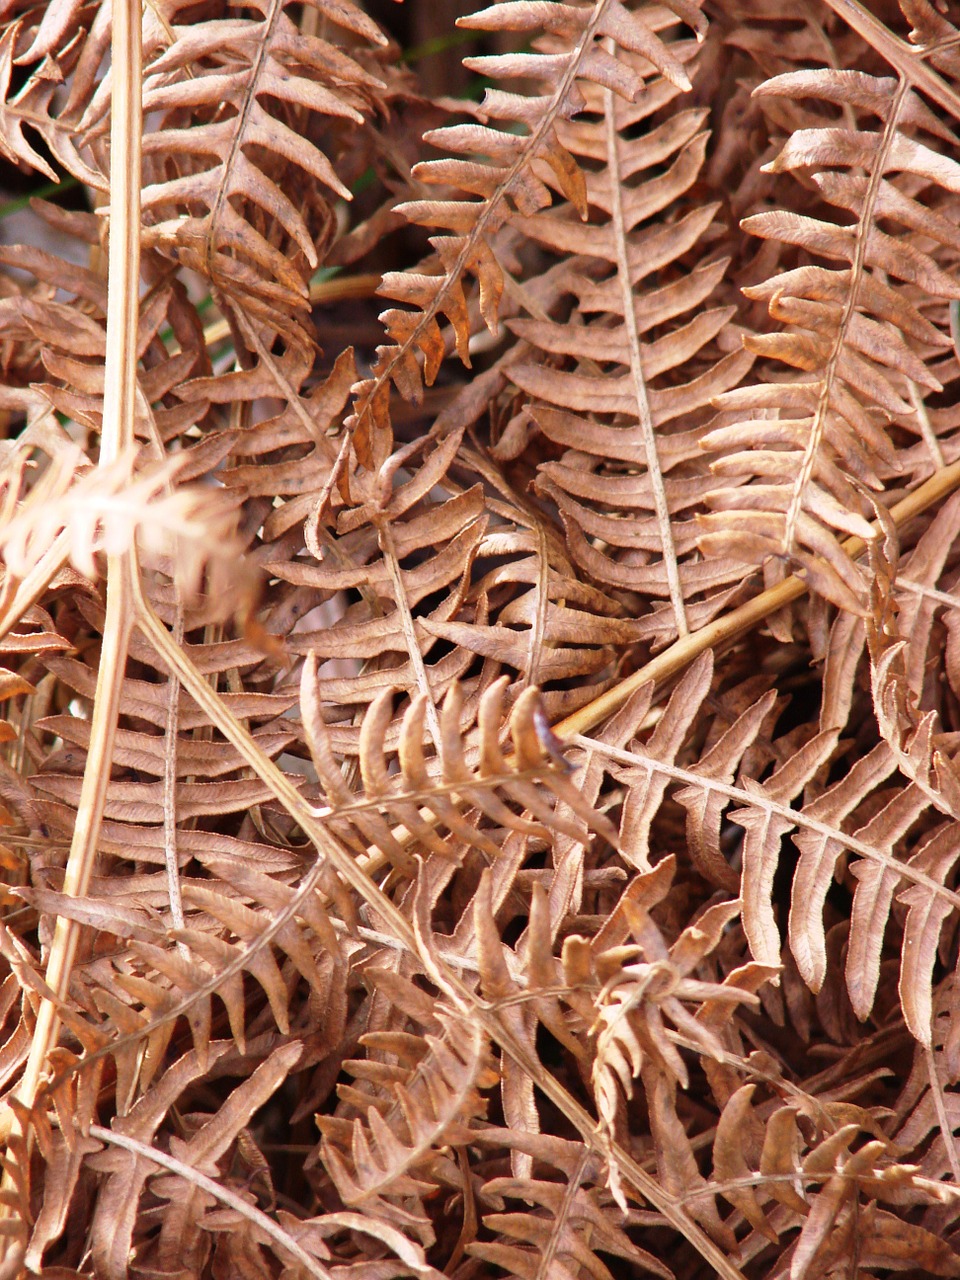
(943, 1120)
(117, 435)
(639, 383)
(171, 738)
(730, 626)
(906, 59)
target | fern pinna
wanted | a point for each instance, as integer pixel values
(479, 623)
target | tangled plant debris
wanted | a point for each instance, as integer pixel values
(480, 775)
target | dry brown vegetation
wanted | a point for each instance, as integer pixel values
(480, 780)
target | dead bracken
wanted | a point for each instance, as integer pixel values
(479, 546)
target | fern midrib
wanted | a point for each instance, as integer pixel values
(263, 55)
(751, 800)
(857, 267)
(644, 414)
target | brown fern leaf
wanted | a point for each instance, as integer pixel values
(613, 389)
(925, 1116)
(38, 105)
(426, 1101)
(822, 839)
(921, 752)
(811, 446)
(442, 783)
(60, 509)
(381, 635)
(182, 1235)
(233, 97)
(556, 1225)
(285, 464)
(649, 771)
(315, 819)
(896, 861)
(125, 1177)
(820, 1189)
(645, 987)
(524, 163)
(392, 580)
(148, 982)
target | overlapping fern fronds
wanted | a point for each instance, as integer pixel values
(325, 951)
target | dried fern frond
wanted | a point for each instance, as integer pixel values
(614, 379)
(812, 446)
(182, 1234)
(384, 1159)
(888, 846)
(38, 104)
(523, 163)
(543, 1223)
(234, 98)
(817, 1185)
(442, 785)
(74, 514)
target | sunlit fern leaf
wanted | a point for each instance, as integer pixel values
(521, 164)
(809, 447)
(621, 383)
(435, 783)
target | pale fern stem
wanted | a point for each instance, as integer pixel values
(865, 222)
(901, 55)
(644, 415)
(171, 730)
(117, 437)
(539, 628)
(563, 1213)
(723, 631)
(928, 593)
(927, 432)
(323, 443)
(232, 160)
(32, 587)
(943, 1120)
(171, 737)
(407, 623)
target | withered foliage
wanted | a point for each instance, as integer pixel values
(480, 779)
